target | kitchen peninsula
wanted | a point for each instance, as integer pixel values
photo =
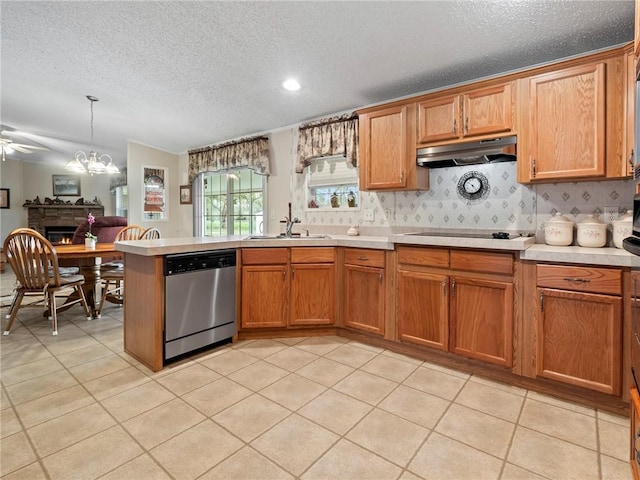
(394, 272)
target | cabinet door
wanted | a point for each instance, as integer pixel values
(579, 339)
(364, 298)
(312, 294)
(438, 119)
(629, 118)
(636, 42)
(567, 124)
(482, 319)
(487, 111)
(384, 148)
(423, 308)
(264, 296)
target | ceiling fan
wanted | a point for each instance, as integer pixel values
(9, 146)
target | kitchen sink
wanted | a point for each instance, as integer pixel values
(284, 237)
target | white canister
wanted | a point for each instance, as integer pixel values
(558, 231)
(622, 228)
(592, 232)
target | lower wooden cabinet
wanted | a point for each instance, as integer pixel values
(423, 308)
(482, 319)
(265, 287)
(578, 331)
(446, 301)
(634, 433)
(364, 290)
(312, 293)
(287, 287)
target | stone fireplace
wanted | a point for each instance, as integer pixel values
(57, 222)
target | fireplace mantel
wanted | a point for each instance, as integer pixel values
(61, 215)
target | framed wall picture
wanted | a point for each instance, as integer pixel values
(66, 185)
(5, 198)
(185, 194)
(155, 189)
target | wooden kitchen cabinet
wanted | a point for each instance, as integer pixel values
(578, 327)
(387, 149)
(265, 287)
(574, 122)
(447, 301)
(474, 113)
(422, 306)
(636, 31)
(313, 284)
(629, 118)
(567, 124)
(482, 319)
(288, 287)
(364, 290)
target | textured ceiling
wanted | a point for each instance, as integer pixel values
(178, 75)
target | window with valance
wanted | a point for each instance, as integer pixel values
(328, 137)
(252, 153)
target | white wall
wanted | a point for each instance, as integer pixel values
(11, 178)
(27, 180)
(140, 156)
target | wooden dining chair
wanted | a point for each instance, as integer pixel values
(34, 262)
(151, 233)
(112, 274)
(131, 232)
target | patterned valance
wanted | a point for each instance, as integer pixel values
(330, 136)
(250, 153)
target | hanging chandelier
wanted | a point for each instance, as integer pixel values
(92, 163)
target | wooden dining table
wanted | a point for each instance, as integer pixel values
(88, 260)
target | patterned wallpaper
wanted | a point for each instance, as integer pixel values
(508, 205)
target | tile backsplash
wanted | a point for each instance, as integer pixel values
(507, 206)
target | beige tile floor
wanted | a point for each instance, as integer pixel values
(76, 406)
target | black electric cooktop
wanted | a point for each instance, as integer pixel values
(486, 235)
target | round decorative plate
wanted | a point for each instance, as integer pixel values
(473, 186)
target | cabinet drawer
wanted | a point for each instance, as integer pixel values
(484, 262)
(580, 279)
(264, 256)
(365, 257)
(312, 255)
(428, 257)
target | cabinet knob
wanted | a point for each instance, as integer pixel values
(454, 126)
(453, 287)
(380, 278)
(466, 125)
(444, 288)
(364, 259)
(630, 159)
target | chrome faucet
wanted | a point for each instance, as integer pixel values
(288, 221)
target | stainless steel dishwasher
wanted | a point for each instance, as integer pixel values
(200, 300)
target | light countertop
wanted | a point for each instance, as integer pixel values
(525, 246)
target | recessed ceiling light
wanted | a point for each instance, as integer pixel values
(291, 85)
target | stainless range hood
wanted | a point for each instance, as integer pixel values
(470, 153)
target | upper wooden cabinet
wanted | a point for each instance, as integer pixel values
(636, 41)
(474, 113)
(388, 149)
(629, 132)
(574, 121)
(567, 112)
